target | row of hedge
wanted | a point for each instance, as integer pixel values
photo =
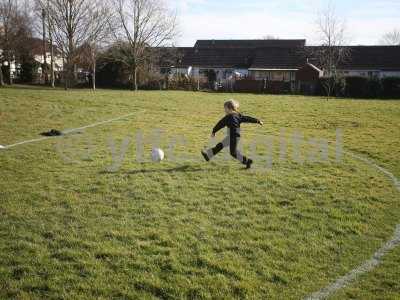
(362, 87)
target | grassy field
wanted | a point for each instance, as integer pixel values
(76, 224)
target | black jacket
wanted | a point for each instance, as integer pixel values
(233, 121)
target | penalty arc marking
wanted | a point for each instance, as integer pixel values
(341, 282)
(376, 258)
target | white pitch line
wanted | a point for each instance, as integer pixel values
(377, 257)
(341, 282)
(27, 142)
(365, 267)
(97, 124)
(67, 131)
(396, 182)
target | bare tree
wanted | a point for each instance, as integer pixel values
(8, 13)
(14, 32)
(43, 13)
(1, 46)
(44, 44)
(50, 28)
(391, 38)
(75, 23)
(1, 61)
(87, 58)
(1, 72)
(332, 52)
(1, 75)
(143, 24)
(102, 28)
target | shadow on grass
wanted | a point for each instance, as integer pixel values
(185, 168)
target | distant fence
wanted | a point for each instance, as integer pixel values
(352, 87)
(249, 86)
(263, 86)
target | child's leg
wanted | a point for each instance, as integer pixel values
(234, 141)
(214, 151)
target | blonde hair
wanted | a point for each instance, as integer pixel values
(232, 105)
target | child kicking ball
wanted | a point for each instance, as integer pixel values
(232, 121)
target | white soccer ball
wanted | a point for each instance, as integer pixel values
(157, 154)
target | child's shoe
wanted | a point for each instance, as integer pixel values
(249, 163)
(205, 155)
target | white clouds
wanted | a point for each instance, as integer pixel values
(246, 25)
(184, 5)
(203, 19)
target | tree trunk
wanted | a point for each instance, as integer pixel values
(10, 79)
(65, 74)
(44, 70)
(74, 73)
(93, 59)
(69, 73)
(52, 63)
(134, 78)
(1, 76)
(50, 27)
(94, 74)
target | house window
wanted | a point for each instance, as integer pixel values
(281, 76)
(260, 74)
(227, 73)
(277, 76)
(373, 74)
(203, 72)
(164, 71)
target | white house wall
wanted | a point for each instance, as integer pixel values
(58, 61)
(222, 73)
(390, 74)
(371, 73)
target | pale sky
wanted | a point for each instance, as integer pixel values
(366, 20)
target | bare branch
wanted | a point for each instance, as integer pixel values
(332, 52)
(143, 24)
(391, 38)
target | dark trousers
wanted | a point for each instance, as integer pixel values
(231, 140)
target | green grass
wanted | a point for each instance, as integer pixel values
(72, 228)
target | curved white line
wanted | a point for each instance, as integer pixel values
(365, 267)
(376, 258)
(396, 182)
(340, 282)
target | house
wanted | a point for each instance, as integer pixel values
(307, 78)
(36, 50)
(286, 61)
(373, 61)
(37, 53)
(232, 58)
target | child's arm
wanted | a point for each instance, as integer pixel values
(221, 124)
(247, 119)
